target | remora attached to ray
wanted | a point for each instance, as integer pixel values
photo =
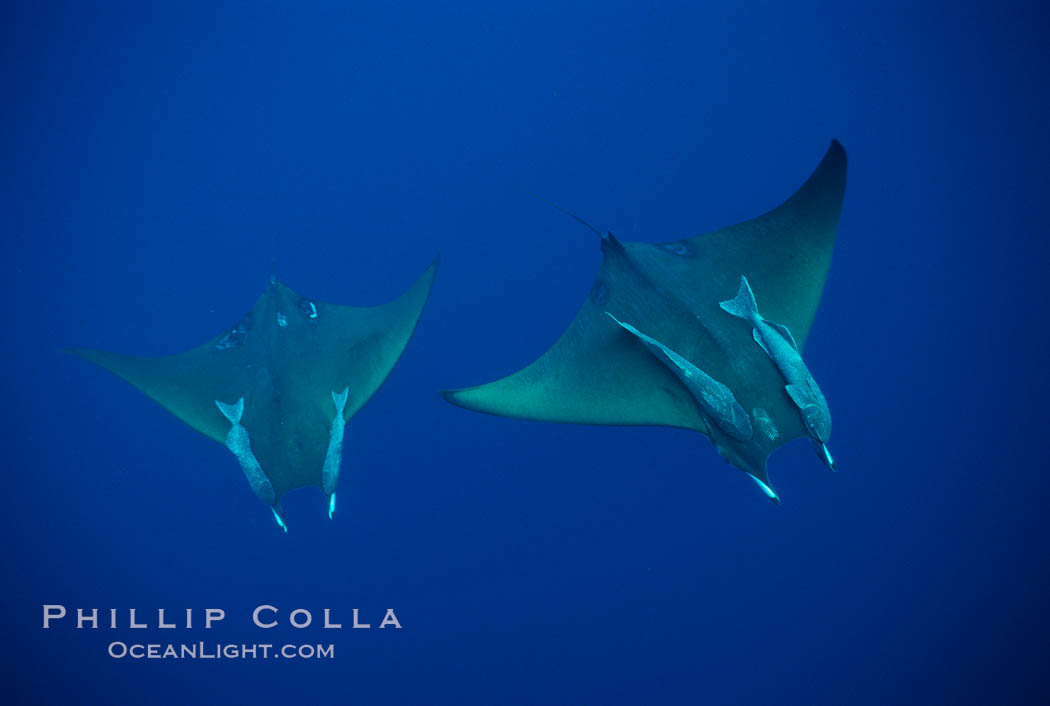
(653, 315)
(778, 343)
(279, 386)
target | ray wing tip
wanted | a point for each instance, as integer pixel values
(451, 396)
(431, 272)
(85, 353)
(836, 150)
(456, 397)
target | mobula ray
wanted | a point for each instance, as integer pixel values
(704, 333)
(279, 386)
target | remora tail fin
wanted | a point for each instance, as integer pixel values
(743, 305)
(232, 412)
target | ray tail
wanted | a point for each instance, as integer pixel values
(570, 214)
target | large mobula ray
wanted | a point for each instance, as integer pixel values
(278, 388)
(672, 335)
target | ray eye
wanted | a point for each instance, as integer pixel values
(599, 293)
(678, 247)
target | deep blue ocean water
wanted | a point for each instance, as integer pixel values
(161, 163)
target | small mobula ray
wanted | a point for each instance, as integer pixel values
(704, 333)
(278, 388)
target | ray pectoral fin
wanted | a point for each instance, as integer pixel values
(373, 338)
(238, 443)
(785, 252)
(334, 455)
(593, 374)
(181, 384)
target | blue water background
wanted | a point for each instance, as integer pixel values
(161, 162)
